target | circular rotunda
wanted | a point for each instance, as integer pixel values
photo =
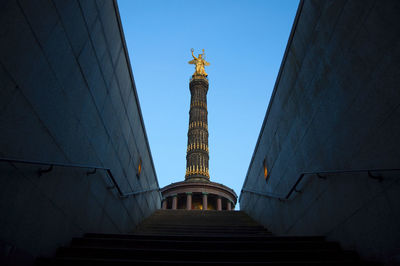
(198, 195)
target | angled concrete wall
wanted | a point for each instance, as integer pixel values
(67, 95)
(335, 106)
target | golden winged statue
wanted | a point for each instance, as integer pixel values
(200, 64)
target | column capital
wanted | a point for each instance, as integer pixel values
(189, 193)
(174, 195)
(204, 193)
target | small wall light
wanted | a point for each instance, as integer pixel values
(266, 176)
(139, 169)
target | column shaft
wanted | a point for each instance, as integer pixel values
(174, 202)
(219, 204)
(197, 145)
(188, 201)
(205, 206)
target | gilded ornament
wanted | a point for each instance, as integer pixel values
(200, 64)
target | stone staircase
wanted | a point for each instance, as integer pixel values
(198, 238)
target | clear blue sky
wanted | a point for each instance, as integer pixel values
(243, 40)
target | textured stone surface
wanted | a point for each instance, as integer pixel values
(67, 95)
(335, 107)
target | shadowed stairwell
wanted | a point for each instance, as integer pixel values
(200, 237)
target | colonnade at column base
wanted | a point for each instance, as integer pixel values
(198, 195)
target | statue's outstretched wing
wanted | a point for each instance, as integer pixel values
(192, 62)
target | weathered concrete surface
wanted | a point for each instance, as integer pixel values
(67, 95)
(335, 106)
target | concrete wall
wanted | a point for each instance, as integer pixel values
(67, 95)
(335, 106)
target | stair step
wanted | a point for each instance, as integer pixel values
(201, 245)
(200, 227)
(207, 238)
(192, 231)
(200, 238)
(206, 255)
(112, 262)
